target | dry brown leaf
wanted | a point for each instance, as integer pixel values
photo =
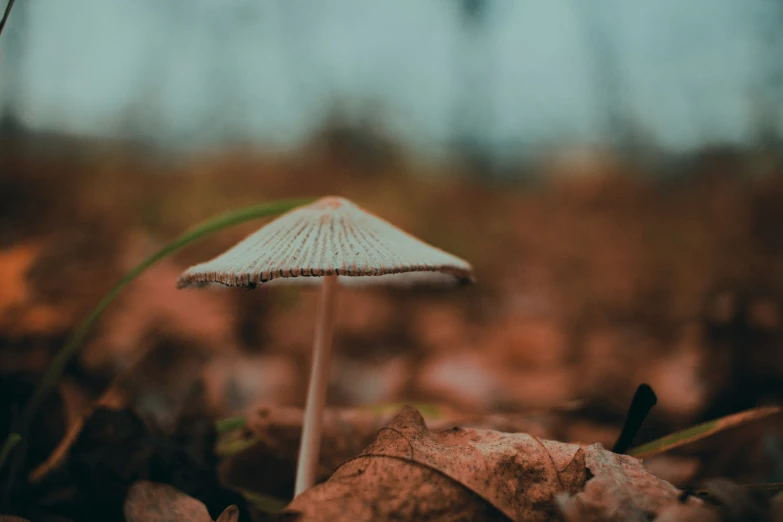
(689, 513)
(11, 518)
(411, 472)
(230, 514)
(20, 314)
(516, 473)
(621, 489)
(153, 502)
(378, 490)
(16, 262)
(271, 438)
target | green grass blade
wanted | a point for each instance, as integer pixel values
(232, 447)
(230, 424)
(702, 431)
(11, 442)
(76, 339)
(264, 503)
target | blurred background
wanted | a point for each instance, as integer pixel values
(611, 168)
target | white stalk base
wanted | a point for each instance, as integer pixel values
(310, 446)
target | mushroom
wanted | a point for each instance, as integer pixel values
(329, 238)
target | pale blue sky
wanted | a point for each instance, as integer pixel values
(268, 71)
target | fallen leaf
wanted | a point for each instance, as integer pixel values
(152, 502)
(377, 490)
(16, 262)
(516, 473)
(621, 489)
(230, 514)
(20, 313)
(411, 472)
(261, 455)
(688, 513)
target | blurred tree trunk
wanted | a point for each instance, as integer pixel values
(12, 51)
(621, 128)
(767, 96)
(472, 105)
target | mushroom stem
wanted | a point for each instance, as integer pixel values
(316, 392)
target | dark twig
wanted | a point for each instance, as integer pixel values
(643, 401)
(6, 14)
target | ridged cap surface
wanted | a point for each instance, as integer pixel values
(330, 236)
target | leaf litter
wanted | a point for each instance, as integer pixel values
(271, 435)
(407, 472)
(411, 472)
(116, 456)
(151, 502)
(718, 376)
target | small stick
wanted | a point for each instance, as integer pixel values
(643, 401)
(6, 14)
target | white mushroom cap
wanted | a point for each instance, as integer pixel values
(331, 236)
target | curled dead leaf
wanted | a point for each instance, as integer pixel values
(270, 435)
(371, 489)
(688, 513)
(230, 514)
(153, 502)
(516, 473)
(411, 472)
(620, 489)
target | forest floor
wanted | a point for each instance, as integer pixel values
(591, 279)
